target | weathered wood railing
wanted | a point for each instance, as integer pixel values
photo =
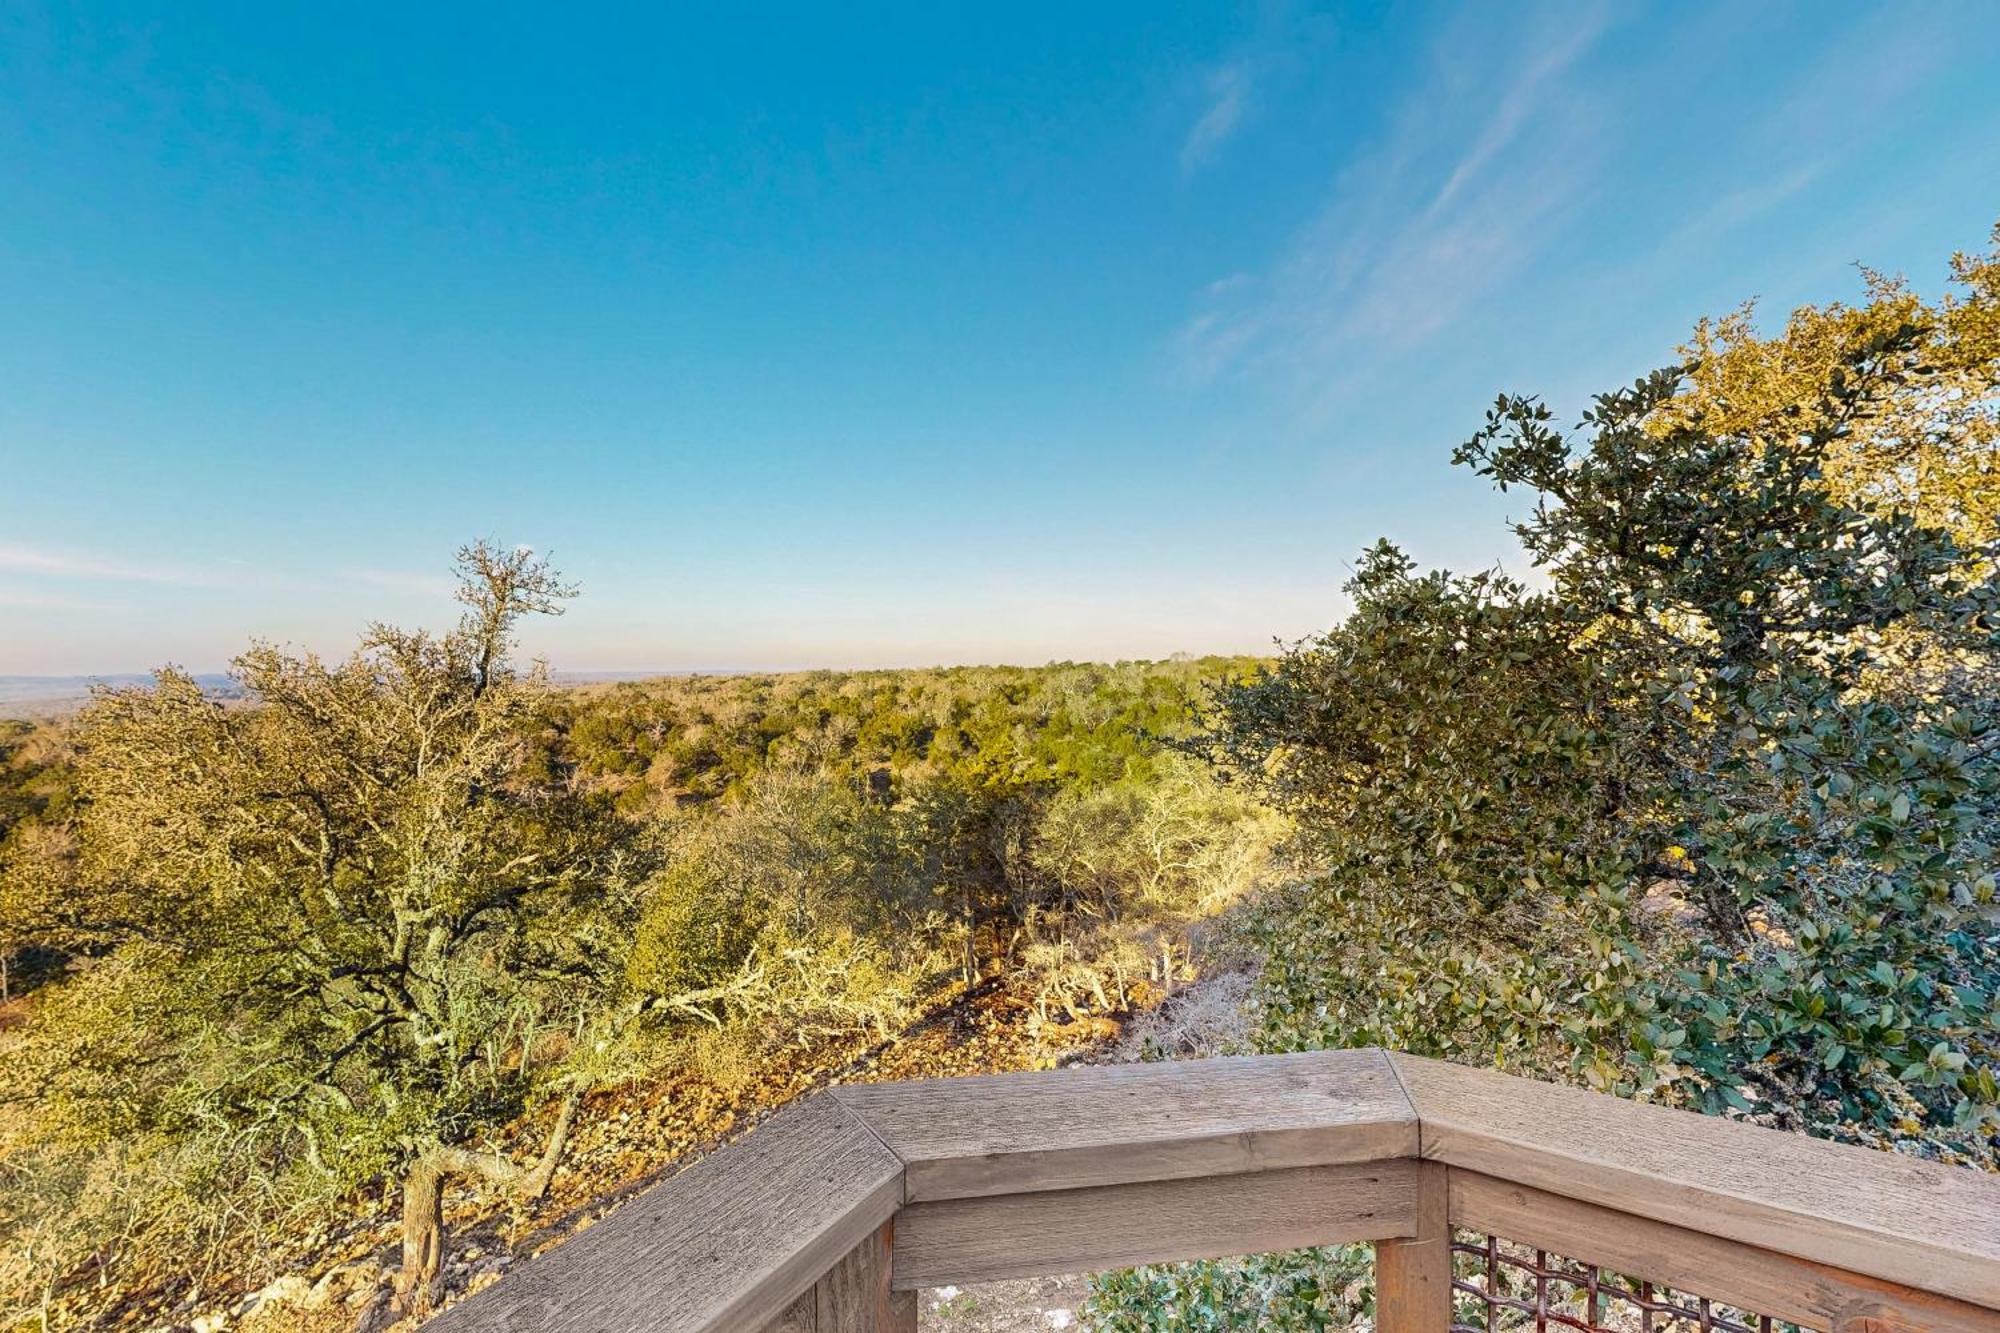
(829, 1217)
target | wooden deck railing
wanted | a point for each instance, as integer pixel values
(1493, 1202)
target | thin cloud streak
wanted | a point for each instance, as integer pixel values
(79, 566)
(33, 599)
(1439, 217)
(71, 565)
(1518, 106)
(1489, 163)
(1228, 91)
(1834, 107)
(403, 581)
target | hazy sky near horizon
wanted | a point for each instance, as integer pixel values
(835, 336)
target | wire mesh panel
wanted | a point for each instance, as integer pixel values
(1499, 1286)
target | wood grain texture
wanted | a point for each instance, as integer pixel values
(1873, 1213)
(728, 1243)
(789, 1230)
(1413, 1274)
(855, 1297)
(981, 1239)
(1747, 1276)
(1066, 1129)
(801, 1316)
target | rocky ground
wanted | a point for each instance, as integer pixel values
(632, 1137)
(1029, 1305)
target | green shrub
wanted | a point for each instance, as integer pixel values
(1289, 1290)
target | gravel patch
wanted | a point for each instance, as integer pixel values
(1026, 1305)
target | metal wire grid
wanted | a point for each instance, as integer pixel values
(1499, 1286)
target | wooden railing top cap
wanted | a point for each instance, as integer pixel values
(1884, 1214)
(1120, 1124)
(727, 1243)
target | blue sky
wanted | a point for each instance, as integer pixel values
(946, 333)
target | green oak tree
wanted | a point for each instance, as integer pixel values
(360, 896)
(1712, 815)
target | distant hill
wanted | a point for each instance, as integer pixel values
(50, 696)
(53, 696)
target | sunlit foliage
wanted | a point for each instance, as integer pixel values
(388, 920)
(1708, 817)
(1712, 817)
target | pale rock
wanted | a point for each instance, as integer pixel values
(291, 1289)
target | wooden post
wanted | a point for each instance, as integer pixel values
(1413, 1276)
(801, 1316)
(854, 1296)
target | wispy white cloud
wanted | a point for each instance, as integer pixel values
(96, 567)
(1832, 107)
(402, 581)
(1472, 180)
(1503, 149)
(73, 566)
(1227, 91)
(1520, 100)
(84, 565)
(37, 599)
(1746, 204)
(1225, 96)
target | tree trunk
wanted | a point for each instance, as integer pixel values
(968, 960)
(423, 1238)
(422, 1282)
(536, 1183)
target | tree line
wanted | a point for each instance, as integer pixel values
(344, 932)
